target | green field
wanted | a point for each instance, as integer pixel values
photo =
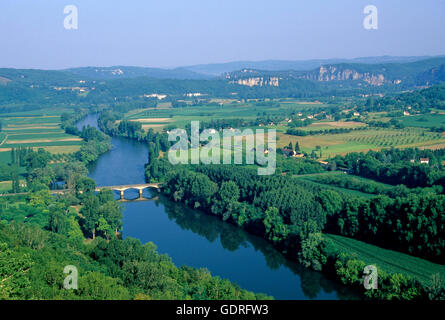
(363, 140)
(349, 177)
(424, 120)
(388, 260)
(230, 110)
(331, 144)
(38, 129)
(344, 191)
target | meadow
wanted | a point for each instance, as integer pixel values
(388, 260)
(37, 129)
(344, 191)
(424, 120)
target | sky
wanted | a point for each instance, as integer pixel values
(171, 33)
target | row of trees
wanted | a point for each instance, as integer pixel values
(396, 166)
(292, 214)
(302, 133)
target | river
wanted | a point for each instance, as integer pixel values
(195, 239)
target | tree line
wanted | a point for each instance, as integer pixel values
(292, 215)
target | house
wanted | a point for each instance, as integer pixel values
(155, 95)
(291, 153)
(356, 114)
(425, 160)
(288, 152)
(405, 113)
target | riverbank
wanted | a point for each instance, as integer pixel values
(314, 250)
(203, 241)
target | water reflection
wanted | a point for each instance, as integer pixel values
(281, 277)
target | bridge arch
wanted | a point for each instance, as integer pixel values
(122, 188)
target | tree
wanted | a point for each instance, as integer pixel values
(112, 213)
(37, 159)
(330, 201)
(42, 198)
(58, 219)
(228, 195)
(84, 186)
(13, 269)
(90, 212)
(15, 179)
(104, 227)
(96, 286)
(276, 230)
(105, 195)
(313, 253)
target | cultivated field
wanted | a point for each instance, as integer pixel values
(229, 109)
(424, 120)
(388, 260)
(363, 140)
(39, 129)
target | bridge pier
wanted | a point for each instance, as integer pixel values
(139, 187)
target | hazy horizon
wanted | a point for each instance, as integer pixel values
(176, 33)
(225, 62)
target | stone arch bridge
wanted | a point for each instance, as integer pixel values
(120, 188)
(139, 187)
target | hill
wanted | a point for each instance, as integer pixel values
(402, 75)
(216, 69)
(122, 72)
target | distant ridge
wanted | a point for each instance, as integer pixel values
(216, 69)
(122, 72)
(403, 74)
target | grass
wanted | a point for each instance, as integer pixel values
(230, 109)
(388, 260)
(363, 140)
(38, 129)
(340, 174)
(42, 144)
(5, 186)
(344, 191)
(424, 120)
(326, 125)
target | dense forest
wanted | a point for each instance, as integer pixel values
(292, 215)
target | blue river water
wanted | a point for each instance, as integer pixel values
(195, 239)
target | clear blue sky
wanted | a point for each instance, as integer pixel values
(171, 33)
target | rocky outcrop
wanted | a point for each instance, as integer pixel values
(258, 81)
(332, 73)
